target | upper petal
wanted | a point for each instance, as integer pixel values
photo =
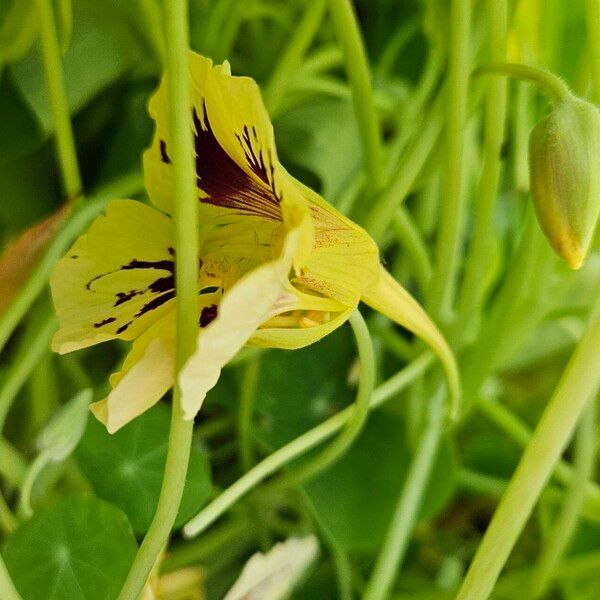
(117, 279)
(235, 155)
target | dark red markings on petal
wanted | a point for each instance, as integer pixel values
(225, 182)
(208, 314)
(104, 322)
(164, 157)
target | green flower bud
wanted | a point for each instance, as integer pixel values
(564, 162)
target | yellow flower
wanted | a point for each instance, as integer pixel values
(279, 267)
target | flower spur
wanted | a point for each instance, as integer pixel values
(279, 267)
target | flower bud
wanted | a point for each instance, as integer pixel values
(564, 163)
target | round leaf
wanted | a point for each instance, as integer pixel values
(82, 547)
(126, 468)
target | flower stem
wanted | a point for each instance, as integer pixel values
(452, 207)
(552, 85)
(409, 503)
(357, 66)
(301, 445)
(478, 261)
(65, 144)
(186, 278)
(360, 410)
(578, 384)
(561, 533)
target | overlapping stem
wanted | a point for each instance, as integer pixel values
(578, 385)
(186, 277)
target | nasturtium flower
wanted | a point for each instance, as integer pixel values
(278, 267)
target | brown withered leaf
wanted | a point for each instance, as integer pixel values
(23, 253)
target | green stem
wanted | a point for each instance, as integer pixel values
(478, 261)
(409, 504)
(8, 521)
(560, 535)
(578, 385)
(300, 446)
(7, 587)
(77, 222)
(549, 83)
(32, 347)
(67, 156)
(246, 408)
(186, 277)
(357, 67)
(291, 57)
(411, 238)
(359, 414)
(453, 207)
(402, 182)
(593, 39)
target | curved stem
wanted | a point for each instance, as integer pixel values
(357, 66)
(560, 535)
(186, 277)
(552, 85)
(300, 446)
(77, 222)
(409, 504)
(8, 521)
(453, 206)
(13, 466)
(360, 410)
(67, 156)
(577, 386)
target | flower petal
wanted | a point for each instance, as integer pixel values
(146, 376)
(344, 259)
(259, 295)
(117, 279)
(390, 298)
(236, 159)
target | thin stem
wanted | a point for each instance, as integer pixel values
(357, 67)
(300, 446)
(411, 239)
(360, 411)
(477, 263)
(577, 386)
(402, 182)
(246, 408)
(8, 521)
(409, 504)
(80, 218)
(593, 39)
(560, 535)
(7, 587)
(67, 156)
(453, 206)
(187, 251)
(549, 83)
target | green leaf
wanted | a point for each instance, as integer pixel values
(126, 468)
(80, 548)
(354, 500)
